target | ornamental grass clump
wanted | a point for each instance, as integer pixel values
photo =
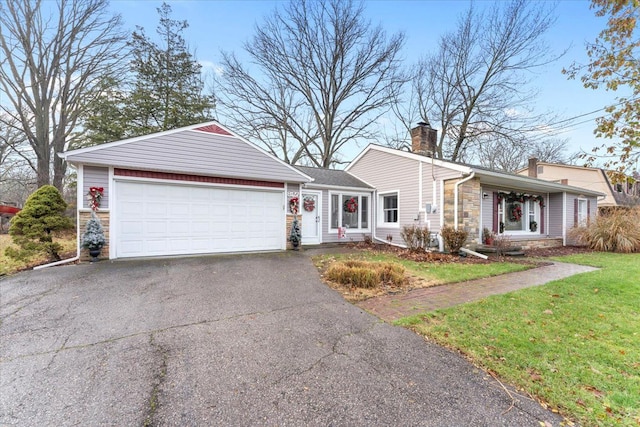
(616, 231)
(364, 274)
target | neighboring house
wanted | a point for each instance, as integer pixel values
(203, 189)
(615, 195)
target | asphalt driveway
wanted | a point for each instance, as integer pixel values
(224, 340)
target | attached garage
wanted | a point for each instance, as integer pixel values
(195, 190)
(153, 219)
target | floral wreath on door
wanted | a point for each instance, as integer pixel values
(309, 204)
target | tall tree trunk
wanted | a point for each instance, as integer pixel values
(59, 170)
(43, 177)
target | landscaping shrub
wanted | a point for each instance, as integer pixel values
(415, 237)
(295, 236)
(502, 243)
(33, 228)
(453, 239)
(364, 274)
(616, 231)
(93, 237)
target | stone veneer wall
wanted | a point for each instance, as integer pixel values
(449, 188)
(469, 200)
(84, 216)
(288, 228)
(534, 243)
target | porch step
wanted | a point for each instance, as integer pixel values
(514, 253)
(484, 249)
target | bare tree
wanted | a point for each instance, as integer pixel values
(53, 56)
(503, 154)
(474, 85)
(325, 75)
(17, 177)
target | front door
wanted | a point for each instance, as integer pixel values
(311, 220)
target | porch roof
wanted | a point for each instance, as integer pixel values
(503, 179)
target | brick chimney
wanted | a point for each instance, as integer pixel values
(424, 139)
(533, 167)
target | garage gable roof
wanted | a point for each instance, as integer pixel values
(207, 149)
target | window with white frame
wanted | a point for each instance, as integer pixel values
(518, 217)
(388, 203)
(583, 212)
(349, 210)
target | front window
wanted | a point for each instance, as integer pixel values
(532, 218)
(519, 216)
(513, 218)
(390, 208)
(350, 211)
(582, 212)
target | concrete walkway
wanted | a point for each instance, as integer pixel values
(393, 307)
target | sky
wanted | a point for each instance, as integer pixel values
(216, 25)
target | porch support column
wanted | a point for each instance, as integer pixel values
(457, 198)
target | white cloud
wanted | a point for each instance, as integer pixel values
(211, 66)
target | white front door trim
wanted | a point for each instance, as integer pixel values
(311, 221)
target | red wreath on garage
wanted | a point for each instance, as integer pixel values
(293, 205)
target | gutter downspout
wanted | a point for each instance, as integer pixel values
(53, 264)
(455, 198)
(64, 261)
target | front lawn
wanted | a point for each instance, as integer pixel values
(573, 343)
(423, 274)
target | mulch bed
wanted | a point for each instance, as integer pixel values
(437, 257)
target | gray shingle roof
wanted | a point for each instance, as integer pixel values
(333, 177)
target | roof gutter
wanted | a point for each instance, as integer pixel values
(549, 186)
(456, 197)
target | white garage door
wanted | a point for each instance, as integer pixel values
(166, 219)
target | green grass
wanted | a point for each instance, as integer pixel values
(10, 266)
(439, 273)
(573, 343)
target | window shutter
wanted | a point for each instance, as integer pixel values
(495, 212)
(575, 212)
(588, 212)
(541, 220)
